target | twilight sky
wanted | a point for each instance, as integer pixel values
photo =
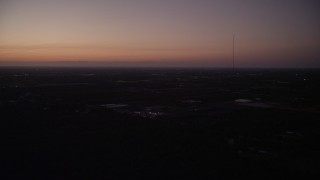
(161, 32)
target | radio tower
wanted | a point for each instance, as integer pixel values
(234, 36)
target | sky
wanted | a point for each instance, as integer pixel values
(274, 33)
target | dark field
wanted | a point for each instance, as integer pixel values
(61, 123)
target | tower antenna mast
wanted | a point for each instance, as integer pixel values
(234, 36)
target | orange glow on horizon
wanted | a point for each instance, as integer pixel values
(82, 52)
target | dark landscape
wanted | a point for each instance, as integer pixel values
(160, 123)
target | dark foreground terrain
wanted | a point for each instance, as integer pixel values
(159, 123)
